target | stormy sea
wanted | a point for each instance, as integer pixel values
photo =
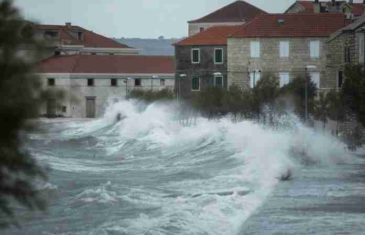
(140, 170)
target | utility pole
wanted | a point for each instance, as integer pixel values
(307, 77)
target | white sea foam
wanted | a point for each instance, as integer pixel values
(212, 175)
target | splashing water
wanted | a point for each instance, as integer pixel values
(147, 174)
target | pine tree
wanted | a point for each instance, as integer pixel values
(20, 101)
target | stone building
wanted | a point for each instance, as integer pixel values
(201, 60)
(346, 46)
(69, 39)
(90, 81)
(236, 13)
(286, 45)
(350, 9)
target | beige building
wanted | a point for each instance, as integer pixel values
(286, 45)
(236, 13)
(91, 81)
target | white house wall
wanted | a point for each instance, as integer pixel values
(76, 90)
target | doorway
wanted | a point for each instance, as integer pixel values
(90, 107)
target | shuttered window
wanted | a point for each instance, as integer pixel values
(316, 79)
(254, 78)
(218, 56)
(195, 56)
(284, 78)
(255, 49)
(314, 47)
(195, 84)
(218, 81)
(284, 49)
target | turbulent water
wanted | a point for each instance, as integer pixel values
(151, 174)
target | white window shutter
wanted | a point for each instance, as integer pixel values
(314, 49)
(284, 78)
(255, 49)
(254, 78)
(316, 79)
(284, 49)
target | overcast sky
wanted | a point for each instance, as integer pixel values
(132, 18)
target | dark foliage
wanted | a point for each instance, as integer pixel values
(150, 96)
(353, 91)
(19, 101)
(295, 91)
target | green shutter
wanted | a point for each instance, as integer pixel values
(195, 83)
(219, 56)
(219, 81)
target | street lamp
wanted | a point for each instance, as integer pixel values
(181, 76)
(307, 68)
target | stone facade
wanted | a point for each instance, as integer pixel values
(78, 91)
(240, 63)
(206, 70)
(344, 48)
(195, 28)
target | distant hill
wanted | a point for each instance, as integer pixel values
(159, 46)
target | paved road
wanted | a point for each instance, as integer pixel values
(320, 200)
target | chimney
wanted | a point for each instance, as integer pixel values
(333, 2)
(68, 25)
(351, 1)
(316, 1)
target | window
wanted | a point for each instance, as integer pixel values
(315, 78)
(51, 82)
(314, 49)
(137, 82)
(195, 84)
(90, 82)
(347, 54)
(218, 81)
(201, 29)
(361, 48)
(255, 76)
(113, 82)
(340, 79)
(284, 78)
(284, 49)
(255, 49)
(57, 53)
(162, 82)
(64, 109)
(218, 56)
(195, 56)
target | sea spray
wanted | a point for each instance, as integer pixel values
(206, 178)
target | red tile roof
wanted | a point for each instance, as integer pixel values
(67, 36)
(357, 8)
(293, 25)
(112, 64)
(212, 36)
(238, 11)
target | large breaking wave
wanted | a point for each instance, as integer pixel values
(204, 178)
